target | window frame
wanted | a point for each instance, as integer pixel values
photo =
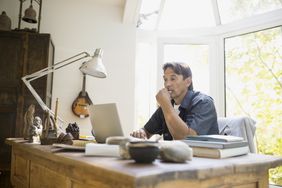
(189, 41)
(260, 22)
(214, 37)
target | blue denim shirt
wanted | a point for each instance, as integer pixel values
(197, 110)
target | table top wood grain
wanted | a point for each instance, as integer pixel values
(110, 168)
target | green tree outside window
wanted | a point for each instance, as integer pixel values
(253, 65)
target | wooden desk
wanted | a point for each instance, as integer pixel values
(39, 166)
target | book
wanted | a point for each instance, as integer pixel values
(69, 147)
(215, 138)
(106, 150)
(211, 144)
(219, 153)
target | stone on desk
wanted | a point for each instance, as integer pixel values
(73, 129)
(65, 138)
(175, 151)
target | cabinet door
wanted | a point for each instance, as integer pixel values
(41, 176)
(38, 57)
(7, 130)
(10, 72)
(11, 56)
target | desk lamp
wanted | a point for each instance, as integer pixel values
(93, 67)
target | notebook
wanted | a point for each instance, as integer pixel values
(105, 121)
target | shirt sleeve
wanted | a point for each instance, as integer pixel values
(203, 118)
(154, 125)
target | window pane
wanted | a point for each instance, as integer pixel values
(144, 82)
(179, 14)
(231, 10)
(197, 57)
(148, 14)
(254, 86)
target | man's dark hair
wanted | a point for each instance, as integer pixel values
(180, 69)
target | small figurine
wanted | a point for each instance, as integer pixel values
(35, 131)
(32, 134)
(28, 120)
(38, 124)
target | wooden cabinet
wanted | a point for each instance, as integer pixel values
(21, 53)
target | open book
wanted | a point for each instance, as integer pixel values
(212, 144)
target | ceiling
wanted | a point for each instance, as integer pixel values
(189, 14)
(186, 14)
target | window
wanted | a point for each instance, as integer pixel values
(178, 14)
(185, 14)
(145, 82)
(254, 86)
(232, 10)
(242, 72)
(148, 14)
(196, 56)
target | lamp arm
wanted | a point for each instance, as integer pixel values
(56, 66)
(28, 78)
(35, 94)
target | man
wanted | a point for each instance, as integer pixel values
(182, 111)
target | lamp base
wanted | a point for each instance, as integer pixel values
(50, 139)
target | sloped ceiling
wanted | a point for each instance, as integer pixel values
(131, 9)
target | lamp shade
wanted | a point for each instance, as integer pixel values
(94, 67)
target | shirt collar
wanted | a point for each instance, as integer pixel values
(187, 101)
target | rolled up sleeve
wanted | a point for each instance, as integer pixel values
(203, 118)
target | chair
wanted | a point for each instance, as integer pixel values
(239, 126)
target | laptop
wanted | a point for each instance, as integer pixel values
(105, 121)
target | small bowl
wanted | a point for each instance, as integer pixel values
(143, 152)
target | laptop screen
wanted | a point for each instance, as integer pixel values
(105, 121)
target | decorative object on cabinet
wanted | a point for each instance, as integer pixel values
(65, 138)
(38, 124)
(35, 131)
(30, 14)
(49, 132)
(28, 121)
(73, 129)
(93, 67)
(21, 53)
(5, 22)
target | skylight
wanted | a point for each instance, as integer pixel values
(232, 10)
(148, 14)
(179, 14)
(185, 14)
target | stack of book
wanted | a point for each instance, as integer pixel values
(217, 146)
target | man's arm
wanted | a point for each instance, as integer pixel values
(176, 126)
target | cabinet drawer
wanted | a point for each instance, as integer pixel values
(21, 170)
(41, 176)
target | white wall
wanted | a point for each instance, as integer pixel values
(85, 25)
